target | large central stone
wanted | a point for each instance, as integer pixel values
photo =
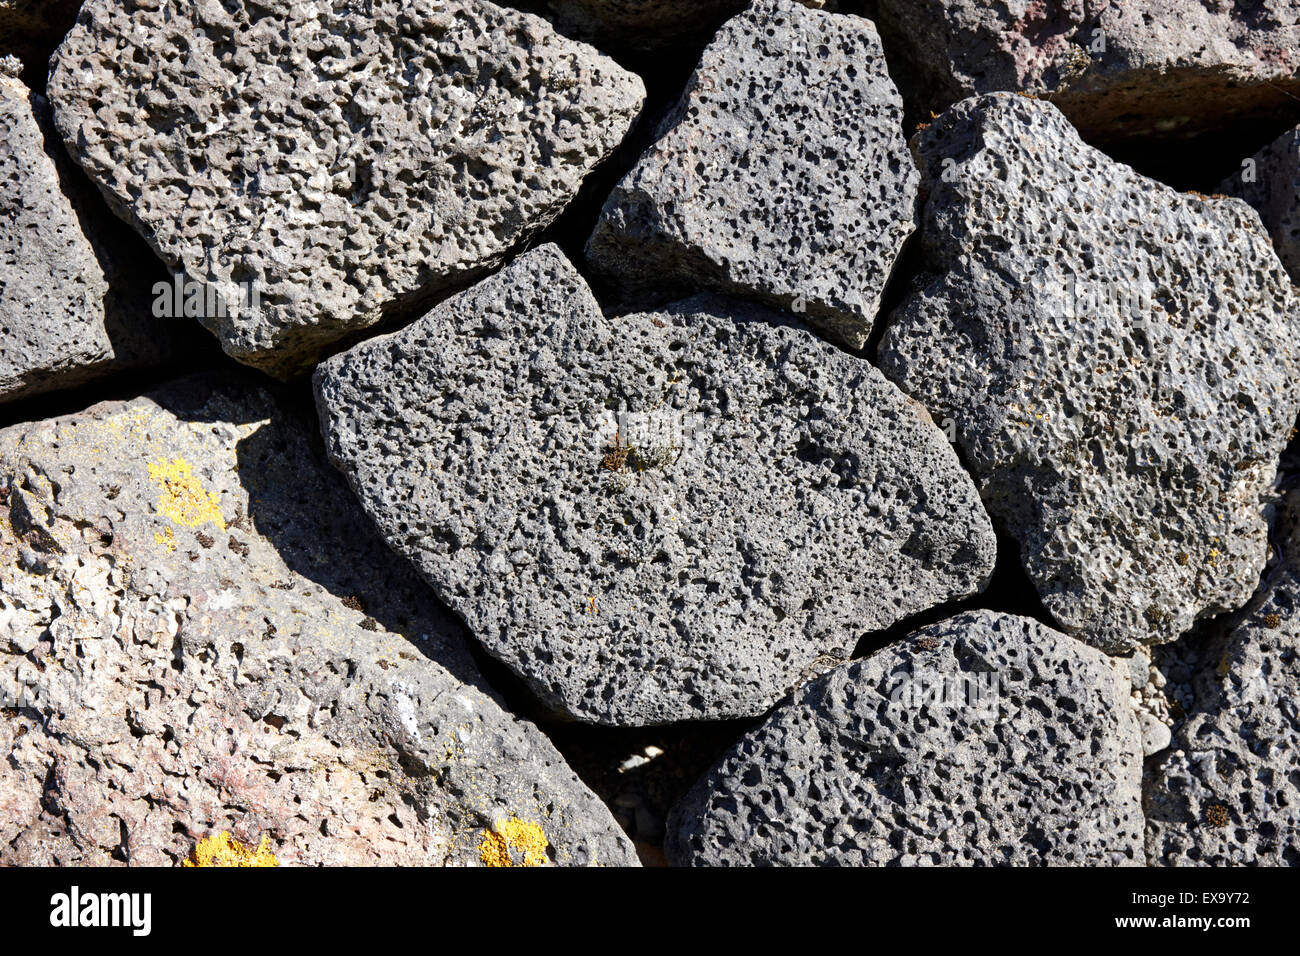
(656, 517)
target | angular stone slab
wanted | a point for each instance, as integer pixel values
(62, 321)
(321, 166)
(1118, 361)
(658, 517)
(1228, 791)
(782, 176)
(1270, 182)
(201, 634)
(985, 739)
(1139, 70)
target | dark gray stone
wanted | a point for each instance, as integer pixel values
(323, 165)
(1228, 791)
(658, 517)
(64, 319)
(782, 175)
(984, 739)
(1270, 181)
(1118, 360)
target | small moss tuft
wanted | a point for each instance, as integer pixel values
(1216, 815)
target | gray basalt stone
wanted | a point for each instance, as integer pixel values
(1118, 361)
(1228, 791)
(1270, 182)
(63, 319)
(657, 517)
(984, 739)
(782, 175)
(201, 634)
(1119, 69)
(324, 165)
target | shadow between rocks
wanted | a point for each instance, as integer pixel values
(304, 509)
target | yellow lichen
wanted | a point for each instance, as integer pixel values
(183, 498)
(165, 538)
(221, 850)
(522, 836)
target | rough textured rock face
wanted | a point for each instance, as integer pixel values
(319, 165)
(1142, 69)
(51, 286)
(201, 634)
(644, 25)
(656, 517)
(782, 175)
(1228, 792)
(30, 27)
(1271, 183)
(61, 321)
(1118, 359)
(984, 739)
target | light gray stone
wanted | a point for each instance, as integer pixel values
(1156, 734)
(1119, 69)
(782, 175)
(214, 640)
(1139, 665)
(984, 739)
(321, 165)
(62, 321)
(658, 517)
(1228, 791)
(1119, 362)
(1270, 181)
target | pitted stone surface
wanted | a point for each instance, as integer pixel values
(1118, 360)
(782, 175)
(61, 321)
(1271, 183)
(1119, 69)
(984, 739)
(1228, 792)
(200, 632)
(51, 286)
(657, 517)
(322, 165)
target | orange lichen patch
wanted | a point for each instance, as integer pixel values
(183, 498)
(220, 850)
(525, 838)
